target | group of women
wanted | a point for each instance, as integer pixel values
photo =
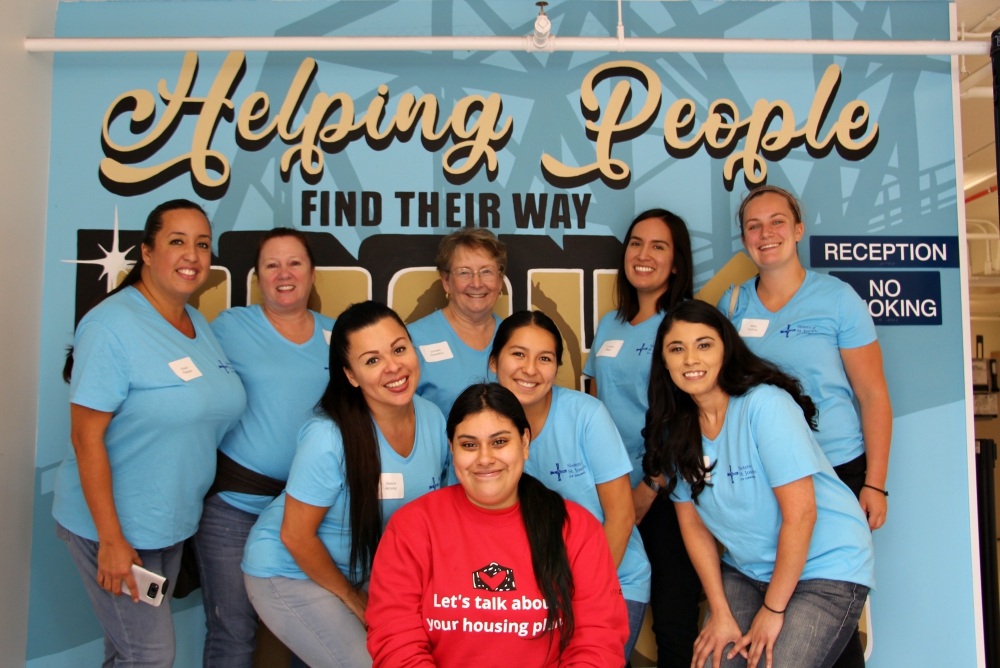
(393, 496)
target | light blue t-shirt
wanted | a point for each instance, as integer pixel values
(620, 359)
(804, 338)
(578, 449)
(318, 478)
(283, 380)
(447, 365)
(167, 420)
(765, 443)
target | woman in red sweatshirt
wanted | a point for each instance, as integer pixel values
(498, 570)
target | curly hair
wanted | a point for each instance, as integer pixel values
(673, 432)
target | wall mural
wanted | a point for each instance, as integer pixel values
(376, 155)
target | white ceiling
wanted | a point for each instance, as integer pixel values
(981, 16)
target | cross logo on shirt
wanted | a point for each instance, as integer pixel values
(558, 473)
(732, 474)
(643, 349)
(787, 330)
(434, 483)
(226, 367)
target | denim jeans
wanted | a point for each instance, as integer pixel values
(636, 616)
(230, 619)
(136, 635)
(820, 618)
(311, 621)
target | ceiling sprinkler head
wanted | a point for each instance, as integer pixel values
(542, 26)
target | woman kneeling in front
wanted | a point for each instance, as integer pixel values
(375, 447)
(498, 570)
(732, 435)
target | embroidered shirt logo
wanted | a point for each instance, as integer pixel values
(798, 330)
(741, 473)
(227, 367)
(494, 577)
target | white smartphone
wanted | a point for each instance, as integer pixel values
(152, 587)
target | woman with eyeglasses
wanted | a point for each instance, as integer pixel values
(454, 343)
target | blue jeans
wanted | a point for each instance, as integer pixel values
(821, 617)
(135, 634)
(230, 619)
(311, 621)
(636, 616)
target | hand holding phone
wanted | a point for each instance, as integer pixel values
(151, 586)
(115, 559)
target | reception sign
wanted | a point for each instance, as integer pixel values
(376, 155)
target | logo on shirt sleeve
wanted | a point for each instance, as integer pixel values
(494, 578)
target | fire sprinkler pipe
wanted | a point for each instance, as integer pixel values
(513, 43)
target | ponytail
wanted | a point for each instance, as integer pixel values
(543, 511)
(544, 514)
(346, 406)
(154, 223)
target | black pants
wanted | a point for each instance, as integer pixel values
(852, 474)
(675, 586)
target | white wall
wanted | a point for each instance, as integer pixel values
(25, 104)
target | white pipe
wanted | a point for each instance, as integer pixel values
(499, 43)
(969, 185)
(983, 73)
(984, 281)
(984, 92)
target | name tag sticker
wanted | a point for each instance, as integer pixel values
(436, 352)
(708, 474)
(390, 486)
(185, 369)
(326, 335)
(610, 348)
(753, 328)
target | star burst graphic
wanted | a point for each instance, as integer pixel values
(113, 262)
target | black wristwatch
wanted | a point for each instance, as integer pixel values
(652, 484)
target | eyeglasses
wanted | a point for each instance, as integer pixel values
(466, 274)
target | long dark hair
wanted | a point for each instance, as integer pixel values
(154, 223)
(523, 319)
(279, 232)
(680, 285)
(543, 511)
(672, 432)
(346, 405)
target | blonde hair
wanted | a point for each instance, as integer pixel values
(793, 203)
(475, 238)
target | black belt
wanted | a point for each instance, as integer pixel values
(231, 476)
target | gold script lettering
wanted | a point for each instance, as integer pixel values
(723, 128)
(610, 129)
(201, 159)
(477, 140)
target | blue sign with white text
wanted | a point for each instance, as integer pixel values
(867, 251)
(898, 297)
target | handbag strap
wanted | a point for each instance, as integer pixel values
(733, 298)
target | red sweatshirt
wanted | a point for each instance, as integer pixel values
(452, 585)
